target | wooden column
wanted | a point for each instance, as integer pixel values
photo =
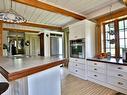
(98, 38)
(1, 42)
(41, 44)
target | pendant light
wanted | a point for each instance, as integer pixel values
(11, 16)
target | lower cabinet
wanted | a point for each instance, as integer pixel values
(109, 75)
(77, 67)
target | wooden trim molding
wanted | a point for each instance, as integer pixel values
(38, 25)
(51, 8)
(20, 30)
(115, 15)
(1, 38)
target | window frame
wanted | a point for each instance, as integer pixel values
(117, 38)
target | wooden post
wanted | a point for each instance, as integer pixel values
(1, 42)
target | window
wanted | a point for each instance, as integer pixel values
(109, 38)
(115, 37)
(122, 34)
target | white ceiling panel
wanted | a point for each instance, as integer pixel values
(36, 15)
(81, 6)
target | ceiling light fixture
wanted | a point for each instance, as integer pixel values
(11, 16)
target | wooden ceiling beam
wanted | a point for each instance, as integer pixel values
(51, 8)
(37, 25)
(20, 30)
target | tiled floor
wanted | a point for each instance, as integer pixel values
(72, 85)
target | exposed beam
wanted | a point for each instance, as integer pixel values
(20, 30)
(37, 25)
(116, 14)
(51, 8)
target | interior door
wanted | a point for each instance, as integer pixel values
(33, 46)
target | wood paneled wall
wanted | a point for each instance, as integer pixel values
(1, 42)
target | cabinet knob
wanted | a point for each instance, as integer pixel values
(76, 70)
(120, 68)
(95, 75)
(120, 83)
(95, 69)
(120, 75)
(76, 65)
(95, 63)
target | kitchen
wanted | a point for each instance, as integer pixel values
(89, 41)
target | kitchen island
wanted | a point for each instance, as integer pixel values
(32, 75)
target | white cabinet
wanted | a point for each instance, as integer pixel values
(109, 75)
(117, 75)
(77, 67)
(77, 31)
(80, 29)
(97, 70)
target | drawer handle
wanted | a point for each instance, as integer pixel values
(95, 75)
(120, 75)
(95, 69)
(120, 83)
(76, 60)
(76, 65)
(95, 63)
(75, 36)
(76, 70)
(120, 68)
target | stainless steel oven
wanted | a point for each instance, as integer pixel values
(77, 48)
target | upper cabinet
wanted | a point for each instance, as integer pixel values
(79, 30)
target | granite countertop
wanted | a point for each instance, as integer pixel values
(13, 68)
(117, 61)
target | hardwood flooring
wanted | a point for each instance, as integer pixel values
(72, 85)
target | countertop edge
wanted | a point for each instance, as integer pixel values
(29, 71)
(106, 62)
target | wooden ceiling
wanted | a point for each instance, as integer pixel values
(51, 8)
(54, 14)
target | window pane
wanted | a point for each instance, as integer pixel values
(126, 44)
(107, 44)
(121, 43)
(113, 52)
(112, 36)
(121, 25)
(107, 36)
(121, 33)
(111, 26)
(120, 52)
(106, 27)
(113, 46)
(125, 23)
(125, 33)
(107, 50)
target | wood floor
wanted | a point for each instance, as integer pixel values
(72, 85)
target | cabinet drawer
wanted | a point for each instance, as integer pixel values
(97, 76)
(117, 82)
(117, 67)
(79, 72)
(96, 69)
(116, 73)
(97, 64)
(77, 65)
(77, 60)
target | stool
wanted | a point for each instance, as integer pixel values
(3, 87)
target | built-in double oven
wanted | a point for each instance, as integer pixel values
(77, 48)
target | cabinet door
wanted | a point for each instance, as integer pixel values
(77, 31)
